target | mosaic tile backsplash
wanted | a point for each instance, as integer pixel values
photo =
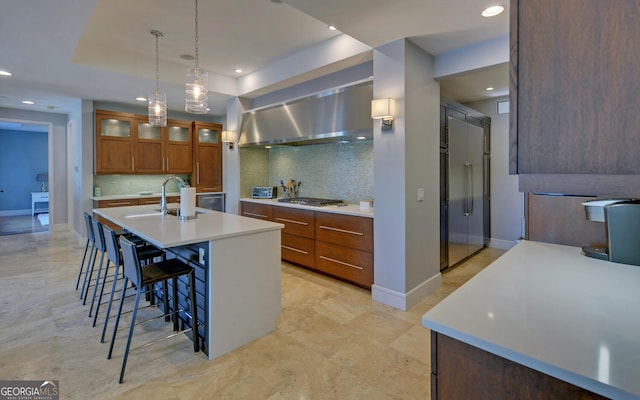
(133, 184)
(338, 171)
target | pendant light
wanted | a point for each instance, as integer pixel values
(157, 100)
(197, 84)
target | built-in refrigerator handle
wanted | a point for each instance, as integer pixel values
(468, 189)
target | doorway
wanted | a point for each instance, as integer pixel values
(25, 167)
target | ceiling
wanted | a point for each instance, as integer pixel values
(64, 50)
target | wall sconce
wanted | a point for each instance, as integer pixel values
(228, 137)
(384, 109)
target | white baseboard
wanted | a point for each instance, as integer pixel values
(13, 213)
(502, 244)
(404, 301)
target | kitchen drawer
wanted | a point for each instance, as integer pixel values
(117, 203)
(259, 211)
(299, 250)
(345, 230)
(150, 200)
(349, 264)
(296, 222)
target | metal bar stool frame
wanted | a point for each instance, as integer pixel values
(150, 275)
(90, 240)
(114, 256)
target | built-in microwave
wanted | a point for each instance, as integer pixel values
(264, 192)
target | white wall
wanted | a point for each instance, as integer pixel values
(506, 200)
(406, 232)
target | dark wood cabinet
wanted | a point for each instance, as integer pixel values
(298, 234)
(344, 247)
(334, 244)
(255, 210)
(207, 157)
(462, 371)
(574, 90)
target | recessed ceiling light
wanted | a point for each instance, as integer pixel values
(5, 73)
(238, 70)
(492, 11)
(332, 28)
(489, 89)
(361, 138)
(141, 98)
(27, 102)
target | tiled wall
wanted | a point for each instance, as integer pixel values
(133, 184)
(338, 171)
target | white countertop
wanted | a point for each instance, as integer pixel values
(555, 310)
(142, 196)
(350, 209)
(168, 231)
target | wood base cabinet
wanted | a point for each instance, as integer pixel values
(334, 244)
(461, 371)
(344, 247)
(298, 235)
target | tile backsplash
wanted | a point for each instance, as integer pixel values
(133, 184)
(338, 170)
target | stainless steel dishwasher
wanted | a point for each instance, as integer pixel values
(212, 201)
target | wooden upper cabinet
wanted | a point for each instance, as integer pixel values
(128, 144)
(207, 154)
(178, 147)
(149, 157)
(575, 87)
(115, 133)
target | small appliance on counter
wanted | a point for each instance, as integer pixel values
(264, 192)
(622, 223)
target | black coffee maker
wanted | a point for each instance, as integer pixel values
(622, 223)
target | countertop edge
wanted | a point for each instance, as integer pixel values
(530, 362)
(351, 209)
(517, 263)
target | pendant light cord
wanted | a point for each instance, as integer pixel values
(157, 34)
(196, 25)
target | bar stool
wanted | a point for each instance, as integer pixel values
(114, 256)
(151, 274)
(90, 240)
(98, 240)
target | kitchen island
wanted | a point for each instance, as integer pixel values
(237, 262)
(541, 322)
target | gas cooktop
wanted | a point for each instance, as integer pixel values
(312, 201)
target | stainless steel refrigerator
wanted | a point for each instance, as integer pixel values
(466, 184)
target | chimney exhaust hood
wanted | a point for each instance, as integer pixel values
(329, 116)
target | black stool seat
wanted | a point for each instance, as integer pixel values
(161, 271)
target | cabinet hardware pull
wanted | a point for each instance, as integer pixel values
(167, 164)
(293, 249)
(292, 221)
(198, 173)
(254, 215)
(133, 163)
(341, 262)
(163, 164)
(341, 230)
(120, 203)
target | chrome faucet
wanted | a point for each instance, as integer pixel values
(163, 199)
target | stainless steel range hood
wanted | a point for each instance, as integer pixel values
(330, 116)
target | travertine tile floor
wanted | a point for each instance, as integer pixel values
(332, 341)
